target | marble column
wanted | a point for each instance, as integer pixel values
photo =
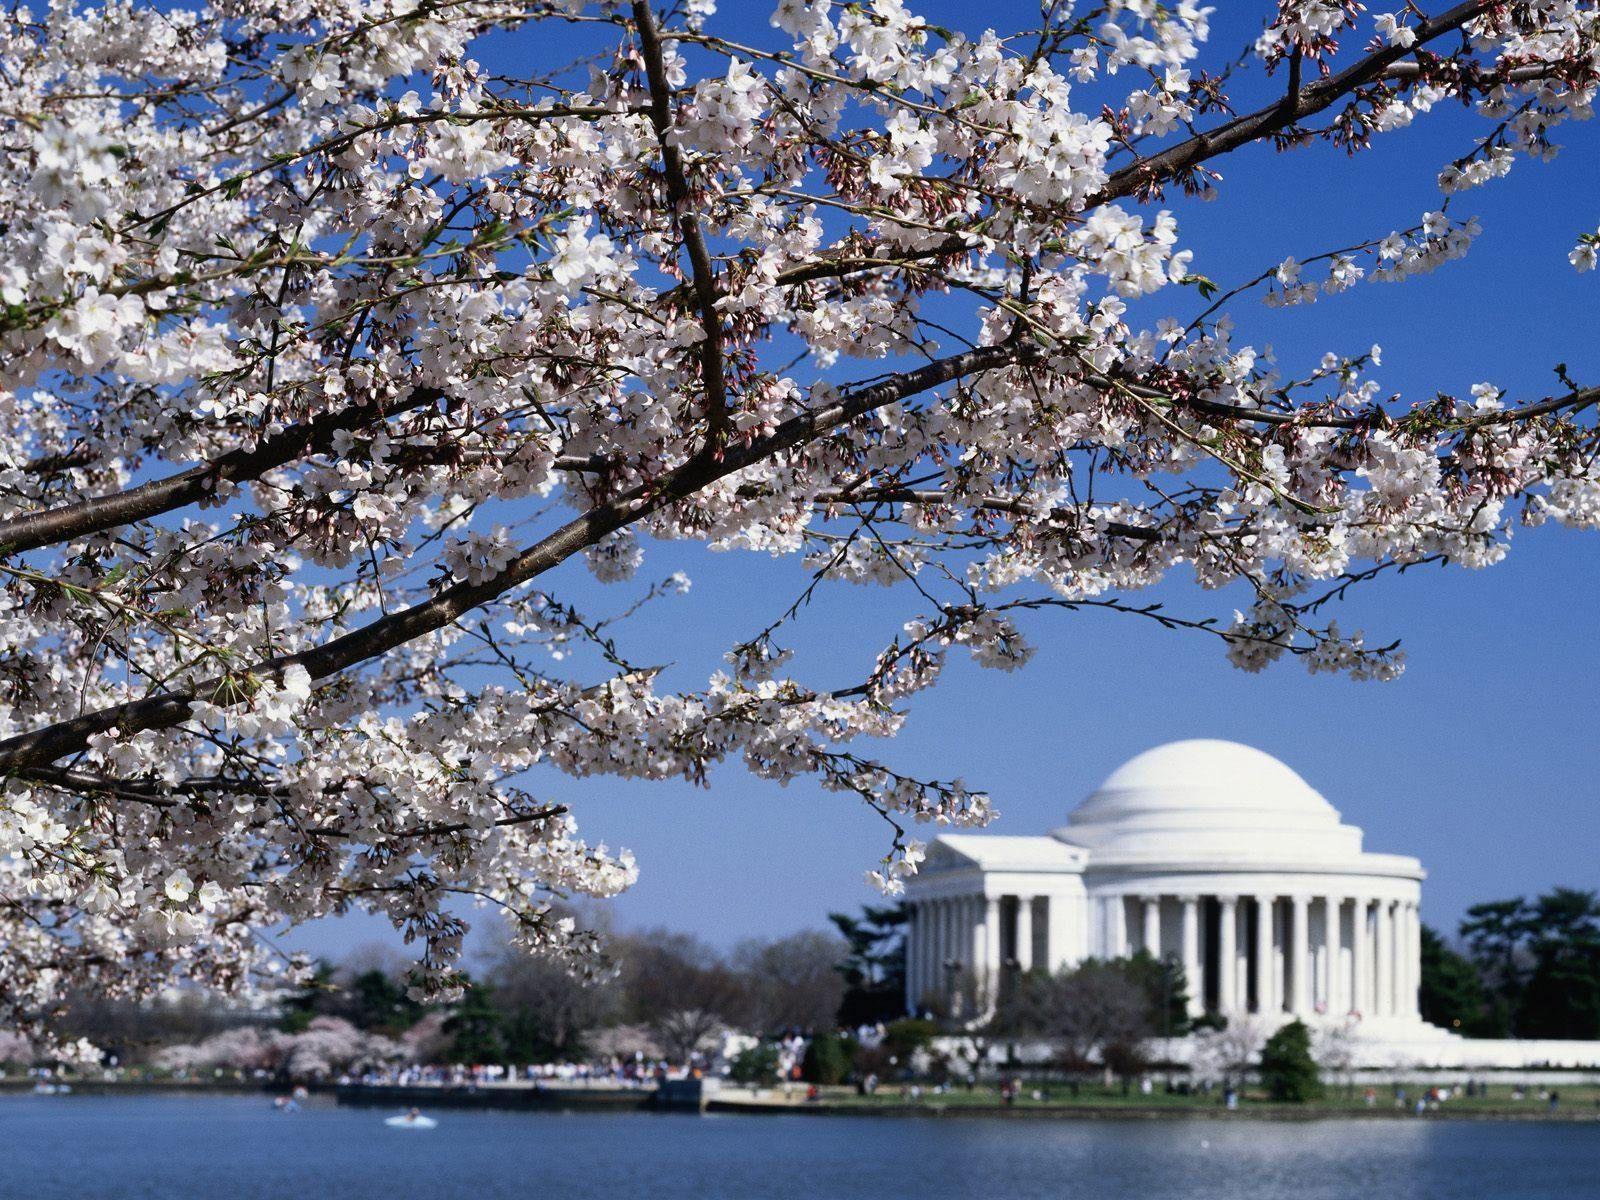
(1151, 934)
(1402, 966)
(942, 925)
(1119, 927)
(1360, 960)
(1383, 997)
(1300, 957)
(1059, 919)
(918, 965)
(1228, 955)
(1024, 933)
(1411, 1007)
(1192, 971)
(1333, 907)
(1266, 1001)
(989, 961)
(952, 951)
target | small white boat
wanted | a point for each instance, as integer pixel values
(411, 1120)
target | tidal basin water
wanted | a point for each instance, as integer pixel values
(225, 1147)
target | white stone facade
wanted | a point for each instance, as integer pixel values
(1209, 851)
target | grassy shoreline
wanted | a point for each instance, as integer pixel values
(1578, 1104)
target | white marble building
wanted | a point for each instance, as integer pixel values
(1210, 851)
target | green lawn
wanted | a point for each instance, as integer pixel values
(1578, 1097)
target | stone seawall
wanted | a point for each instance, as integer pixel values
(509, 1096)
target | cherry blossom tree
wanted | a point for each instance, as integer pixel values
(328, 355)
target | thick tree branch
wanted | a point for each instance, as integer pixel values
(1148, 173)
(172, 708)
(702, 274)
(83, 518)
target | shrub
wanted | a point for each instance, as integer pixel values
(1287, 1069)
(758, 1064)
(827, 1060)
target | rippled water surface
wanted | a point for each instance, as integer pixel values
(216, 1148)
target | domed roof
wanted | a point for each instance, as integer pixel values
(1211, 798)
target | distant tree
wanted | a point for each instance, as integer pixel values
(1562, 995)
(131, 1030)
(1288, 1071)
(1026, 1005)
(874, 964)
(827, 1060)
(1098, 1009)
(378, 1002)
(1167, 986)
(1540, 963)
(686, 1032)
(1452, 994)
(790, 983)
(903, 1039)
(315, 997)
(474, 1026)
(1223, 1055)
(1335, 1050)
(661, 971)
(755, 1065)
(1103, 1008)
(678, 987)
(1494, 933)
(546, 1011)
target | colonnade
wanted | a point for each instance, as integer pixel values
(952, 946)
(1300, 954)
(1305, 955)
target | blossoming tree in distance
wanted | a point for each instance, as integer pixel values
(330, 354)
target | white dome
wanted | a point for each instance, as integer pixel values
(1211, 798)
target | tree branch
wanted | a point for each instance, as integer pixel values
(1146, 174)
(171, 708)
(702, 273)
(85, 517)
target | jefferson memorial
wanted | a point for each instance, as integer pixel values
(1220, 856)
(1208, 851)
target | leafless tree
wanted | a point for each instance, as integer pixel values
(792, 982)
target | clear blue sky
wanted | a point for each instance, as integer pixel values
(1481, 760)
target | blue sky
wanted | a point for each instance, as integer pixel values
(1481, 759)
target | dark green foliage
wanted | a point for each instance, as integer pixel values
(1494, 933)
(1101, 1002)
(874, 967)
(1539, 963)
(827, 1060)
(1452, 995)
(526, 1036)
(758, 1065)
(1164, 982)
(377, 1001)
(1562, 996)
(475, 1027)
(1288, 1071)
